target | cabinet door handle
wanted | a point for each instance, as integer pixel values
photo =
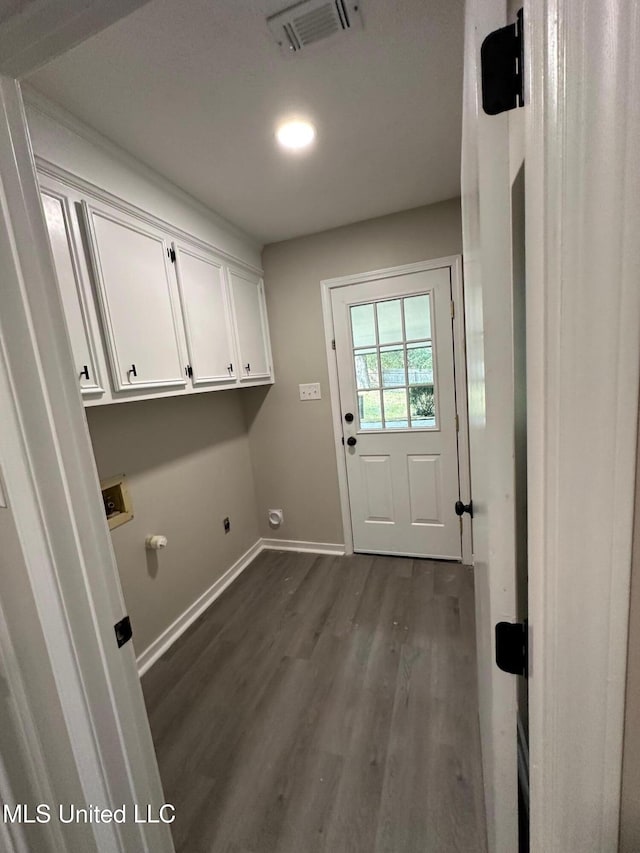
(132, 370)
(248, 368)
(230, 367)
(84, 372)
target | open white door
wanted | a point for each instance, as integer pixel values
(582, 264)
(493, 346)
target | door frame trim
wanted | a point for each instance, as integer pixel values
(71, 593)
(454, 264)
(583, 257)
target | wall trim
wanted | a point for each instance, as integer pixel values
(303, 547)
(168, 637)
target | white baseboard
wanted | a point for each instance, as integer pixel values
(302, 547)
(168, 637)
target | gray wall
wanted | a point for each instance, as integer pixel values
(292, 446)
(188, 466)
(630, 804)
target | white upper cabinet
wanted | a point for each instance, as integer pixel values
(161, 311)
(207, 315)
(137, 290)
(75, 288)
(254, 351)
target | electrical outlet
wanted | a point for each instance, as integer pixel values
(310, 391)
(227, 525)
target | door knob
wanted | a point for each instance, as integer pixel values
(348, 417)
(351, 441)
(462, 508)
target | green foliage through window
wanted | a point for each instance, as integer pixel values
(422, 402)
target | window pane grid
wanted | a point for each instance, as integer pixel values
(394, 379)
(369, 372)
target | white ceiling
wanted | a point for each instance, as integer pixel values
(194, 88)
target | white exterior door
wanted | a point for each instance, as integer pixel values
(394, 354)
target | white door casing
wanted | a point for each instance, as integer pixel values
(583, 333)
(71, 595)
(398, 486)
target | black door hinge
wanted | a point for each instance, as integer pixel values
(172, 255)
(189, 371)
(123, 631)
(502, 60)
(512, 652)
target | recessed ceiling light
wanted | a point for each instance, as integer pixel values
(296, 134)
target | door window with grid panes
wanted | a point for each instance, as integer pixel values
(393, 360)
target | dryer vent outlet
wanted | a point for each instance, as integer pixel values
(276, 517)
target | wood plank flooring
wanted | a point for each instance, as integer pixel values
(325, 705)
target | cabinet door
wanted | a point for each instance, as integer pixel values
(207, 318)
(137, 290)
(251, 325)
(74, 290)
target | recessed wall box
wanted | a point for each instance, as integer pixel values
(117, 503)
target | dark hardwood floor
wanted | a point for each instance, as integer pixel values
(325, 704)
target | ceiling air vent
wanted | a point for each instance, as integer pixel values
(313, 20)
